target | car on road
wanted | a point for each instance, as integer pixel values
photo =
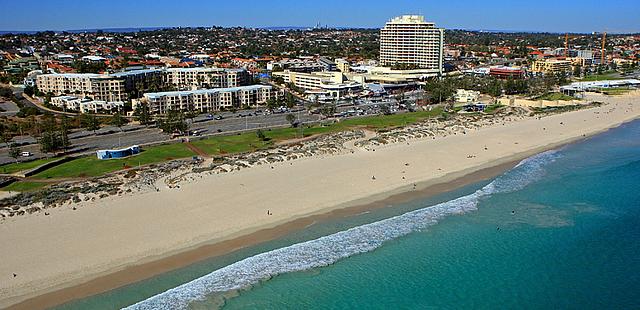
(26, 154)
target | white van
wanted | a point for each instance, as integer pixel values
(26, 154)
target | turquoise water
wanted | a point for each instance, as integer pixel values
(560, 230)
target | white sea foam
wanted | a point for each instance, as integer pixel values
(329, 249)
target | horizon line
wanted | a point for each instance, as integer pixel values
(152, 28)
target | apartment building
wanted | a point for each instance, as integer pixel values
(142, 80)
(95, 86)
(551, 66)
(196, 78)
(121, 86)
(329, 84)
(207, 100)
(411, 41)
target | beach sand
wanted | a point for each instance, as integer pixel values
(70, 247)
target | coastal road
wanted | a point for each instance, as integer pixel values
(111, 137)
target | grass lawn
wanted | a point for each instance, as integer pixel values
(614, 91)
(16, 167)
(220, 145)
(555, 96)
(381, 122)
(492, 108)
(602, 77)
(91, 166)
(23, 186)
(246, 142)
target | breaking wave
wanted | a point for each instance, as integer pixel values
(327, 250)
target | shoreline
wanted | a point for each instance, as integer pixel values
(152, 265)
(211, 250)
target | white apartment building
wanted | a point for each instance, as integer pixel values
(95, 86)
(330, 84)
(72, 103)
(118, 86)
(410, 40)
(196, 78)
(207, 100)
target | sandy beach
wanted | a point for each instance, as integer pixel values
(118, 234)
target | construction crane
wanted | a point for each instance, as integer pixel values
(566, 45)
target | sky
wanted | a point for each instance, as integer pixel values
(614, 16)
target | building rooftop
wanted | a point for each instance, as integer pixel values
(204, 91)
(134, 72)
(409, 19)
(76, 75)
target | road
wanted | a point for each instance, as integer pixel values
(111, 137)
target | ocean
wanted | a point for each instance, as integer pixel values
(559, 230)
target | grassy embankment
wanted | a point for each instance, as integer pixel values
(247, 142)
(614, 91)
(17, 167)
(24, 186)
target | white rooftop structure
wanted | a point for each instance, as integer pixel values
(582, 86)
(205, 91)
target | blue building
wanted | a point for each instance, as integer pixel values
(110, 154)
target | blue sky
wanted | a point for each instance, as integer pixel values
(537, 15)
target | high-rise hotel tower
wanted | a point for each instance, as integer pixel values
(410, 40)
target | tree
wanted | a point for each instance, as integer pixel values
(261, 135)
(14, 151)
(90, 122)
(142, 114)
(290, 100)
(173, 122)
(328, 110)
(63, 133)
(5, 135)
(441, 90)
(291, 119)
(385, 109)
(577, 71)
(272, 103)
(118, 121)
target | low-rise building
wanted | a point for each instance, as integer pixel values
(207, 100)
(328, 84)
(22, 64)
(466, 96)
(297, 65)
(86, 105)
(551, 66)
(343, 65)
(504, 72)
